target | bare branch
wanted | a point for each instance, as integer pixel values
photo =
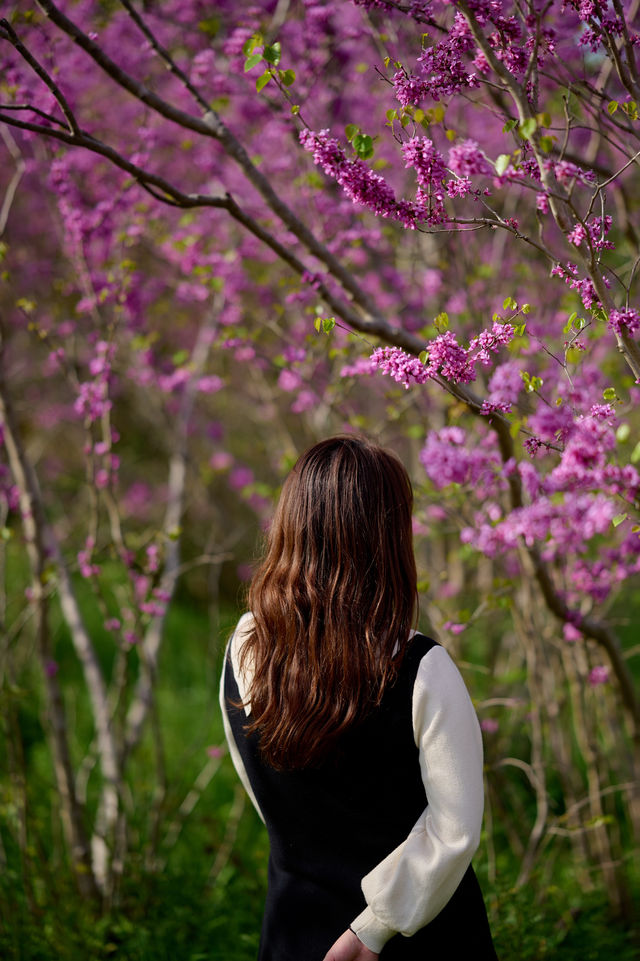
(8, 33)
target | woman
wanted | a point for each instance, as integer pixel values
(353, 735)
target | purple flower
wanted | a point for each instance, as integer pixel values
(51, 668)
(598, 675)
(466, 159)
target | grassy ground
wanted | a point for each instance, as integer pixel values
(206, 902)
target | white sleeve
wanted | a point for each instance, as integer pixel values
(232, 653)
(415, 881)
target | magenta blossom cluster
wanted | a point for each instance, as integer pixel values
(447, 460)
(359, 182)
(594, 231)
(93, 399)
(445, 357)
(584, 285)
(399, 365)
(626, 320)
(420, 153)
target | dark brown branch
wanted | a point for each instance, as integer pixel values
(164, 54)
(8, 33)
(212, 126)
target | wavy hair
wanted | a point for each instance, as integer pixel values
(333, 600)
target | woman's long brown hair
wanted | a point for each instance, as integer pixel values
(333, 600)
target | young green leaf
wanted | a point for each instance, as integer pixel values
(363, 146)
(502, 163)
(272, 54)
(263, 80)
(252, 62)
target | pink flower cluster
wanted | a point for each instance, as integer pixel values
(624, 321)
(358, 181)
(447, 460)
(445, 357)
(466, 159)
(594, 232)
(420, 153)
(584, 286)
(399, 365)
(93, 395)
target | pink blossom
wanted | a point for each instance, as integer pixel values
(361, 366)
(542, 203)
(467, 159)
(210, 384)
(51, 667)
(215, 751)
(112, 624)
(289, 380)
(399, 365)
(490, 725)
(240, 477)
(454, 628)
(625, 321)
(102, 479)
(577, 235)
(306, 400)
(571, 633)
(598, 675)
(153, 558)
(221, 460)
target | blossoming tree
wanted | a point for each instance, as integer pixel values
(255, 214)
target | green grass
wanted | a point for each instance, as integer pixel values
(182, 912)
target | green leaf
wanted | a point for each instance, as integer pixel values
(423, 357)
(392, 115)
(623, 432)
(252, 62)
(510, 124)
(328, 323)
(502, 163)
(272, 54)
(528, 128)
(441, 322)
(263, 80)
(609, 393)
(288, 77)
(318, 324)
(250, 45)
(618, 519)
(573, 355)
(635, 454)
(295, 109)
(363, 146)
(509, 304)
(612, 107)
(350, 131)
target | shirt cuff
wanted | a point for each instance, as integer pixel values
(369, 929)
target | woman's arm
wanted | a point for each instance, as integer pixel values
(231, 654)
(414, 882)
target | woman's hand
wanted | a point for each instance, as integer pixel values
(349, 948)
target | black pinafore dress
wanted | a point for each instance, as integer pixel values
(330, 825)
